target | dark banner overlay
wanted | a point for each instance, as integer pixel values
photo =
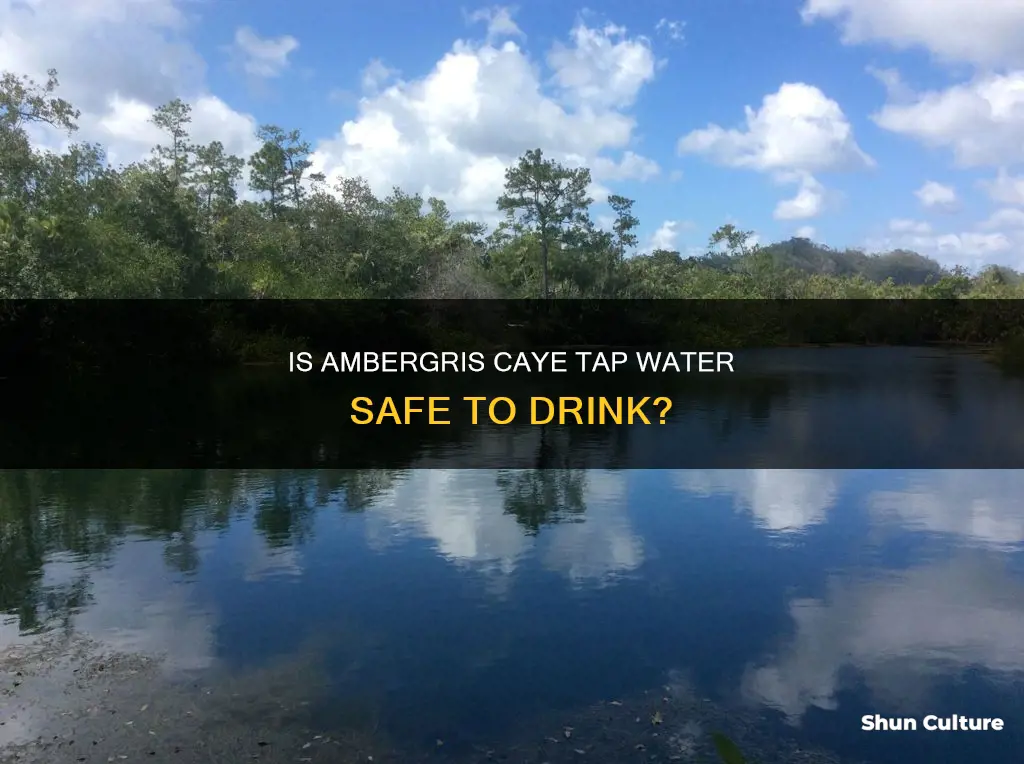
(918, 384)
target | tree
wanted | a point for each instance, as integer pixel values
(270, 168)
(72, 225)
(173, 118)
(23, 101)
(625, 223)
(279, 166)
(737, 243)
(546, 197)
(215, 175)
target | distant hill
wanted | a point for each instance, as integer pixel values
(902, 266)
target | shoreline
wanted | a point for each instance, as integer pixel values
(75, 701)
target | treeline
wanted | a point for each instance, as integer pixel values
(195, 221)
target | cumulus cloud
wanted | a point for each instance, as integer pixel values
(968, 248)
(144, 60)
(1006, 188)
(797, 132)
(499, 21)
(1005, 218)
(778, 500)
(808, 202)
(934, 195)
(982, 32)
(998, 240)
(601, 68)
(805, 232)
(980, 121)
(667, 235)
(376, 74)
(263, 56)
(631, 166)
(797, 129)
(453, 132)
(892, 81)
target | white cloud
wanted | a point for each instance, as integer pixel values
(805, 232)
(453, 132)
(983, 32)
(143, 54)
(499, 21)
(671, 29)
(667, 235)
(976, 245)
(631, 166)
(376, 75)
(980, 121)
(779, 500)
(1006, 188)
(933, 195)
(127, 131)
(263, 56)
(998, 241)
(601, 68)
(798, 131)
(919, 227)
(968, 248)
(808, 202)
(117, 61)
(892, 81)
(1007, 217)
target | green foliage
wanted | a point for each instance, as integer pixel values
(1009, 355)
(184, 224)
(551, 200)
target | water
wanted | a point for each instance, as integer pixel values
(856, 408)
(484, 608)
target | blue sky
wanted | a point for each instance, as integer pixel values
(867, 123)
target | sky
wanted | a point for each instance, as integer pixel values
(874, 124)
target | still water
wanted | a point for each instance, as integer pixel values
(465, 614)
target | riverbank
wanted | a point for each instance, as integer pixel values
(68, 700)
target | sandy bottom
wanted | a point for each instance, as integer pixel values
(65, 699)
